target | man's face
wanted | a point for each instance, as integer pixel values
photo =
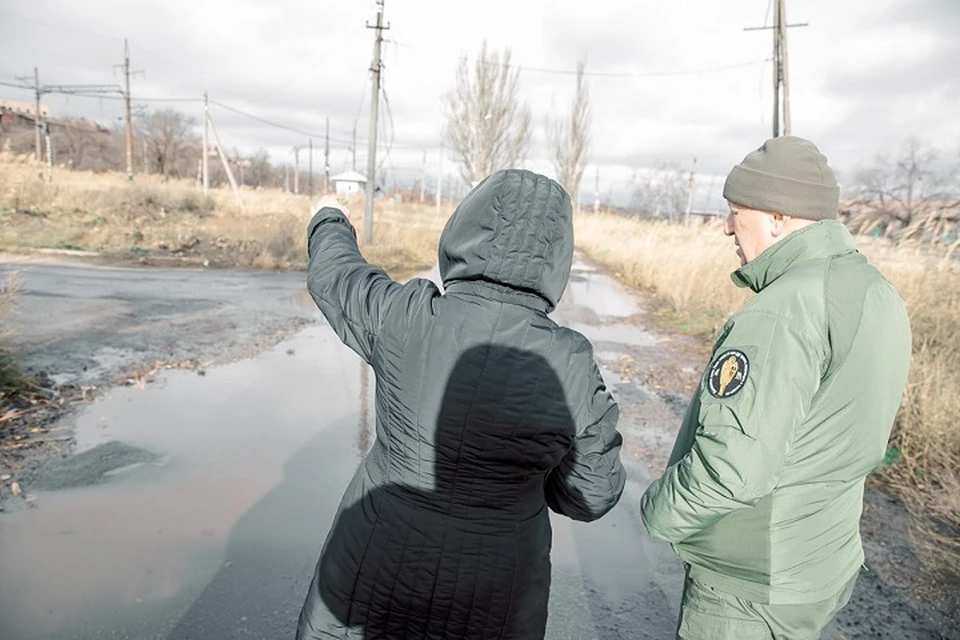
(753, 231)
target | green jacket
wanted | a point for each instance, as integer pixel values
(763, 492)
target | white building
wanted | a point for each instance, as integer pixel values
(349, 183)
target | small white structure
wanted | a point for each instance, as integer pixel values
(349, 183)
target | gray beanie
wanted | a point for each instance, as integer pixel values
(787, 175)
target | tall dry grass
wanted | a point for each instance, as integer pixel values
(63, 209)
(10, 375)
(688, 269)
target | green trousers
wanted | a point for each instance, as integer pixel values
(709, 614)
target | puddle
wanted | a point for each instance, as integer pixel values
(598, 295)
(176, 467)
(624, 334)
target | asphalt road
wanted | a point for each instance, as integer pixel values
(195, 507)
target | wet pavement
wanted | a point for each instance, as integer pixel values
(214, 529)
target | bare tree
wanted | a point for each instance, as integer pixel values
(906, 196)
(167, 132)
(488, 127)
(570, 139)
(661, 191)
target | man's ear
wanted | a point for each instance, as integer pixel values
(778, 225)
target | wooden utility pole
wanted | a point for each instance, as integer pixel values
(310, 178)
(375, 68)
(326, 159)
(784, 67)
(781, 76)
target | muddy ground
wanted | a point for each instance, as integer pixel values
(88, 329)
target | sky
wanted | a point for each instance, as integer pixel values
(670, 82)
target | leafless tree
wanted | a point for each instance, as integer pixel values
(487, 125)
(167, 132)
(661, 191)
(909, 196)
(569, 139)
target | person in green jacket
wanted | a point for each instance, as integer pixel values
(762, 494)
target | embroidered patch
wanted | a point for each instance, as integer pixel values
(728, 373)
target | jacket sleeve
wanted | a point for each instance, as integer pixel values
(740, 440)
(589, 480)
(353, 295)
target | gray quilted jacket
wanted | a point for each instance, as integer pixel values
(487, 412)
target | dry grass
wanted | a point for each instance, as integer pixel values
(10, 375)
(151, 219)
(689, 270)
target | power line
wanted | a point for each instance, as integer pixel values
(630, 74)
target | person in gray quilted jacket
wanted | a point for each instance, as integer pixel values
(488, 414)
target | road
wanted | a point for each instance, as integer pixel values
(195, 507)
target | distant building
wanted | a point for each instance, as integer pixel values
(20, 114)
(349, 183)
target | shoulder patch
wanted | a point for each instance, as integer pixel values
(728, 373)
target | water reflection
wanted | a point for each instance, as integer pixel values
(363, 428)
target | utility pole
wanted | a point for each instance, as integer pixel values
(354, 147)
(781, 77)
(310, 179)
(206, 143)
(36, 114)
(225, 162)
(686, 219)
(296, 169)
(596, 192)
(126, 96)
(423, 178)
(784, 68)
(38, 120)
(326, 160)
(375, 68)
(440, 180)
(126, 73)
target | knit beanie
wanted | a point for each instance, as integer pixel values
(787, 175)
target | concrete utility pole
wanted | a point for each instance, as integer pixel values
(781, 76)
(296, 169)
(38, 120)
(224, 161)
(440, 179)
(596, 191)
(326, 159)
(375, 68)
(423, 178)
(126, 73)
(686, 219)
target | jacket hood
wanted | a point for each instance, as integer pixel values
(514, 229)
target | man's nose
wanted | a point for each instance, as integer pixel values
(728, 225)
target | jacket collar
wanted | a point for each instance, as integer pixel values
(499, 293)
(823, 239)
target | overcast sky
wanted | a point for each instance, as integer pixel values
(675, 80)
